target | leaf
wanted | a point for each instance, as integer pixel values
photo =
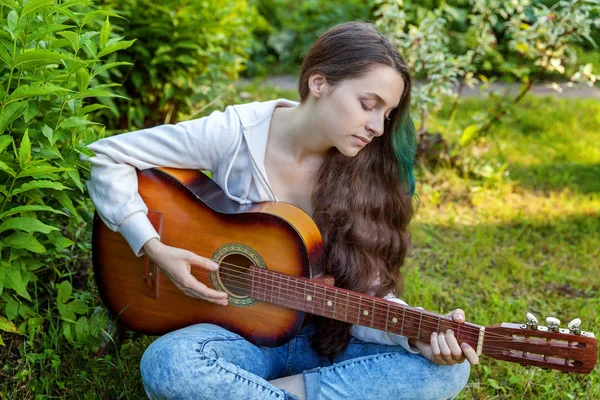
(48, 132)
(74, 175)
(5, 140)
(7, 169)
(11, 112)
(66, 202)
(31, 111)
(30, 208)
(92, 107)
(33, 6)
(82, 78)
(115, 47)
(13, 20)
(7, 326)
(26, 224)
(64, 292)
(36, 170)
(41, 184)
(22, 240)
(469, 134)
(73, 39)
(5, 56)
(25, 150)
(68, 328)
(15, 280)
(82, 329)
(104, 33)
(34, 90)
(11, 309)
(44, 30)
(12, 4)
(109, 66)
(78, 307)
(59, 241)
(97, 93)
(74, 122)
(41, 57)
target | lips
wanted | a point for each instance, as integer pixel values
(365, 141)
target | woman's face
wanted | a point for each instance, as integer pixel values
(355, 112)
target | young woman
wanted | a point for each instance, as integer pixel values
(344, 154)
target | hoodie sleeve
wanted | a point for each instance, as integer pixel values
(372, 335)
(197, 144)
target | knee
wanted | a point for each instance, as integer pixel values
(455, 379)
(170, 368)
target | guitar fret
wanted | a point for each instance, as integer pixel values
(359, 300)
(314, 299)
(334, 302)
(419, 329)
(347, 306)
(439, 320)
(373, 313)
(387, 317)
(323, 304)
(279, 293)
(402, 323)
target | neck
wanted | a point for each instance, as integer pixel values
(344, 305)
(296, 132)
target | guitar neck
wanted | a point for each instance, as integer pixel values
(345, 305)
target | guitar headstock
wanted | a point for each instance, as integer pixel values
(550, 347)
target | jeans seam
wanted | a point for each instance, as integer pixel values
(246, 379)
(205, 342)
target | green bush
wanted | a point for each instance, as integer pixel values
(187, 53)
(293, 28)
(50, 56)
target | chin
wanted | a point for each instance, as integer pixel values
(348, 151)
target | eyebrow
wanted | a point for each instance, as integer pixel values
(378, 98)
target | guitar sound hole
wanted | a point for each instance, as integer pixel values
(234, 274)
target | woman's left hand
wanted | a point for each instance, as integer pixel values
(443, 348)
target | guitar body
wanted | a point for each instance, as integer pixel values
(191, 212)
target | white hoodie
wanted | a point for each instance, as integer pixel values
(230, 144)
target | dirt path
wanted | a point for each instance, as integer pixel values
(290, 82)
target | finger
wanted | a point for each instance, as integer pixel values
(444, 349)
(470, 353)
(209, 294)
(458, 315)
(202, 261)
(455, 349)
(435, 349)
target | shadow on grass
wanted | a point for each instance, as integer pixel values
(581, 178)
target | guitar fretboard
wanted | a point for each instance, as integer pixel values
(335, 303)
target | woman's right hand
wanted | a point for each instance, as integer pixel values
(177, 263)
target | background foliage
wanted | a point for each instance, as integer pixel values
(186, 55)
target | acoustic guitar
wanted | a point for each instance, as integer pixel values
(270, 257)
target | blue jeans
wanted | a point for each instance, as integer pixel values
(205, 361)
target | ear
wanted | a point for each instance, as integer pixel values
(317, 84)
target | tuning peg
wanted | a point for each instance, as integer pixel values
(532, 322)
(574, 326)
(553, 323)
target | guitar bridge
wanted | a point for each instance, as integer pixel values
(151, 270)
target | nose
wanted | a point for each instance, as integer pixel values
(375, 125)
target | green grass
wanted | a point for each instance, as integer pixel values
(528, 243)
(497, 249)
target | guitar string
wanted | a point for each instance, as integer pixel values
(383, 308)
(465, 329)
(488, 347)
(475, 333)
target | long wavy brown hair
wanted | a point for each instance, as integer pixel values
(362, 204)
